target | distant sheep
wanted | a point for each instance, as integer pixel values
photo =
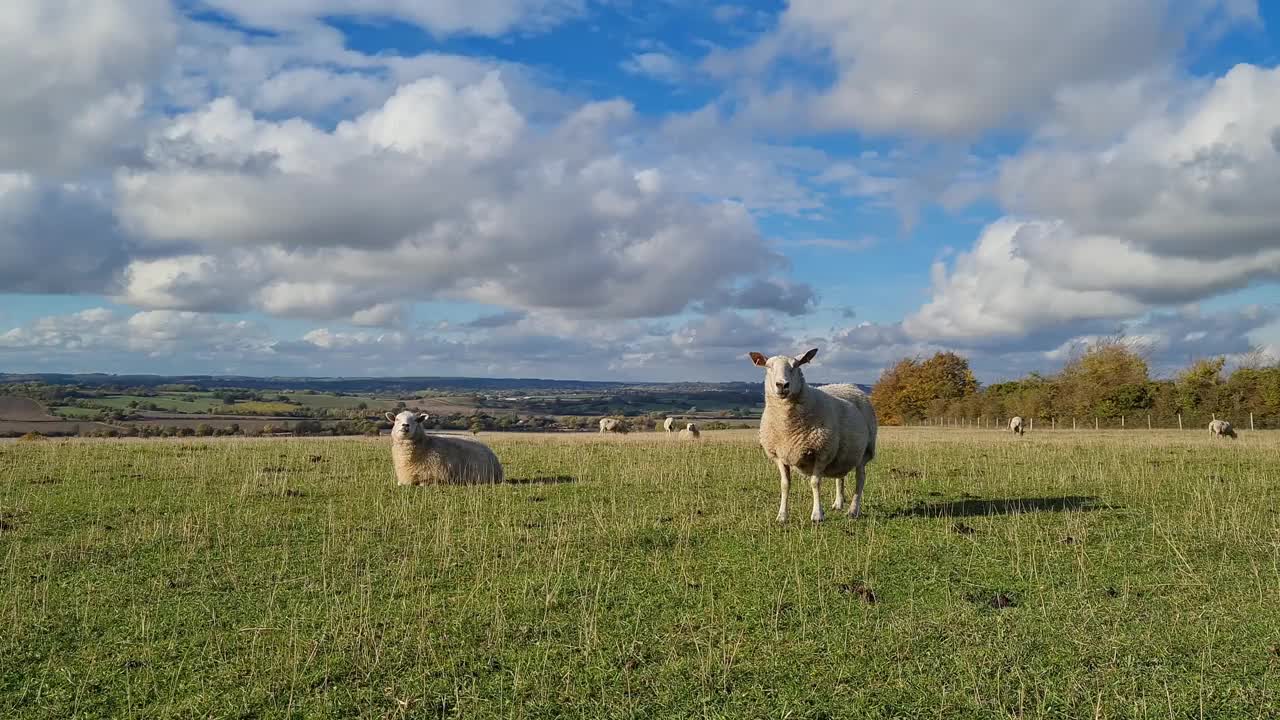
(1016, 426)
(422, 459)
(612, 425)
(825, 431)
(690, 432)
(669, 424)
(1222, 428)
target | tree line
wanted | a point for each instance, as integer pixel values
(1106, 382)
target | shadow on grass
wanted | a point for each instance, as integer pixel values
(973, 507)
(542, 480)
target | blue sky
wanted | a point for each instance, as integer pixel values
(607, 189)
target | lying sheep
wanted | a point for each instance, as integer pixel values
(690, 432)
(669, 424)
(422, 459)
(1222, 428)
(1015, 425)
(612, 425)
(823, 431)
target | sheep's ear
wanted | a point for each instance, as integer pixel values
(422, 417)
(806, 357)
(758, 359)
(390, 417)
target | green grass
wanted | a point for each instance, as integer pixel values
(183, 402)
(642, 578)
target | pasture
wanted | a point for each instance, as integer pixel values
(1067, 574)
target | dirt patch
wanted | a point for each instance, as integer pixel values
(857, 587)
(995, 601)
(23, 409)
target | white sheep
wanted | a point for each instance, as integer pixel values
(1016, 426)
(823, 431)
(612, 425)
(1222, 428)
(422, 459)
(669, 424)
(690, 432)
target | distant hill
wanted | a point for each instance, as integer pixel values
(367, 384)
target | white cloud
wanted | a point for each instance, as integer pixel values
(942, 69)
(1183, 207)
(656, 65)
(75, 76)
(445, 191)
(441, 17)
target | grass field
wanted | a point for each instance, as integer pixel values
(1060, 575)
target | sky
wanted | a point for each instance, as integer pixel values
(633, 189)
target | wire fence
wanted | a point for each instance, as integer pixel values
(1189, 421)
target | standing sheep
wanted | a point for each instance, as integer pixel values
(669, 424)
(1222, 428)
(690, 432)
(422, 459)
(1016, 426)
(612, 425)
(823, 431)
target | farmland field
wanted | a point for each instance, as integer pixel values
(1067, 574)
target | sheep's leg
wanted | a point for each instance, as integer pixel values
(784, 474)
(839, 501)
(815, 485)
(855, 508)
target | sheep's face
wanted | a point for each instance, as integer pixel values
(407, 424)
(783, 378)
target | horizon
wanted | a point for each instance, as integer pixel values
(610, 191)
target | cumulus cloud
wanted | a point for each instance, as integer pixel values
(56, 238)
(445, 191)
(937, 68)
(75, 77)
(1182, 207)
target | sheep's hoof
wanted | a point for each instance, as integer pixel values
(782, 517)
(837, 505)
(816, 516)
(855, 512)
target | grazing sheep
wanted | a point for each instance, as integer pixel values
(823, 431)
(690, 432)
(422, 459)
(669, 424)
(1222, 428)
(1016, 426)
(612, 425)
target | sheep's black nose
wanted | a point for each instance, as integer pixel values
(783, 385)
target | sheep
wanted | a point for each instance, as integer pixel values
(422, 459)
(1016, 426)
(612, 425)
(690, 432)
(1222, 428)
(669, 424)
(823, 431)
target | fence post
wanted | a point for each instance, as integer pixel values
(1251, 421)
(1033, 424)
(1095, 423)
(1121, 422)
(1053, 423)
(1148, 421)
(1073, 423)
(1179, 421)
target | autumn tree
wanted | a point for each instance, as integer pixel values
(1109, 379)
(912, 389)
